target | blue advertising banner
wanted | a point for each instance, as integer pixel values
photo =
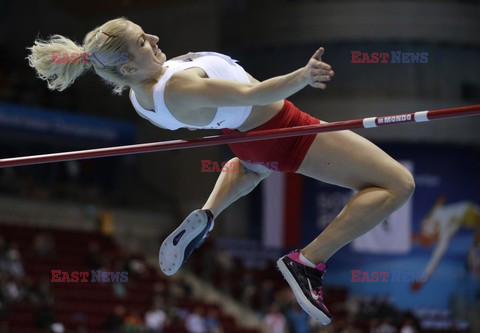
(59, 126)
(427, 253)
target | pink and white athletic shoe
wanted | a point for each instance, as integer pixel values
(306, 284)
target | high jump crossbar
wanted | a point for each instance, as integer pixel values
(420, 116)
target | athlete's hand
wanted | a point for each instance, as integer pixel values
(316, 71)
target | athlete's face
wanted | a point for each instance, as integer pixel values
(148, 59)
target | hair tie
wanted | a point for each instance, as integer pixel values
(96, 38)
(101, 63)
(103, 32)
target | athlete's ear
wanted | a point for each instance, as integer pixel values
(126, 69)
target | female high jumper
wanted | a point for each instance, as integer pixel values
(208, 90)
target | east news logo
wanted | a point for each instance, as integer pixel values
(96, 276)
(394, 57)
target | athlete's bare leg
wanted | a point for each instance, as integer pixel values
(233, 184)
(349, 160)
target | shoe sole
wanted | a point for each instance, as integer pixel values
(171, 256)
(302, 300)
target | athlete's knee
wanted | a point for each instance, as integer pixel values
(250, 180)
(259, 176)
(404, 185)
(259, 171)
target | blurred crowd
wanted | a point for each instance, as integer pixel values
(169, 299)
(17, 287)
(159, 317)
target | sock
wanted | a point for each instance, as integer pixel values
(209, 214)
(305, 261)
(210, 218)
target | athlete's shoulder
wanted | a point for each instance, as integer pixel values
(179, 87)
(182, 79)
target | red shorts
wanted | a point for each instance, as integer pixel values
(284, 154)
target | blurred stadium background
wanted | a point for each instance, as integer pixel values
(111, 214)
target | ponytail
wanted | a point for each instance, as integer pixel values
(59, 61)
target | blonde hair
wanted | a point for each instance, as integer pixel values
(105, 39)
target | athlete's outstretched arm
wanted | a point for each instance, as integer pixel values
(189, 90)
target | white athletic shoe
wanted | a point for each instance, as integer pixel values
(179, 245)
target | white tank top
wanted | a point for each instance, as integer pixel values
(215, 65)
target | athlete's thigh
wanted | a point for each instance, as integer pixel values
(346, 159)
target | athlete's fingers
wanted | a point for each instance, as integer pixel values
(328, 72)
(318, 54)
(322, 78)
(318, 84)
(320, 65)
